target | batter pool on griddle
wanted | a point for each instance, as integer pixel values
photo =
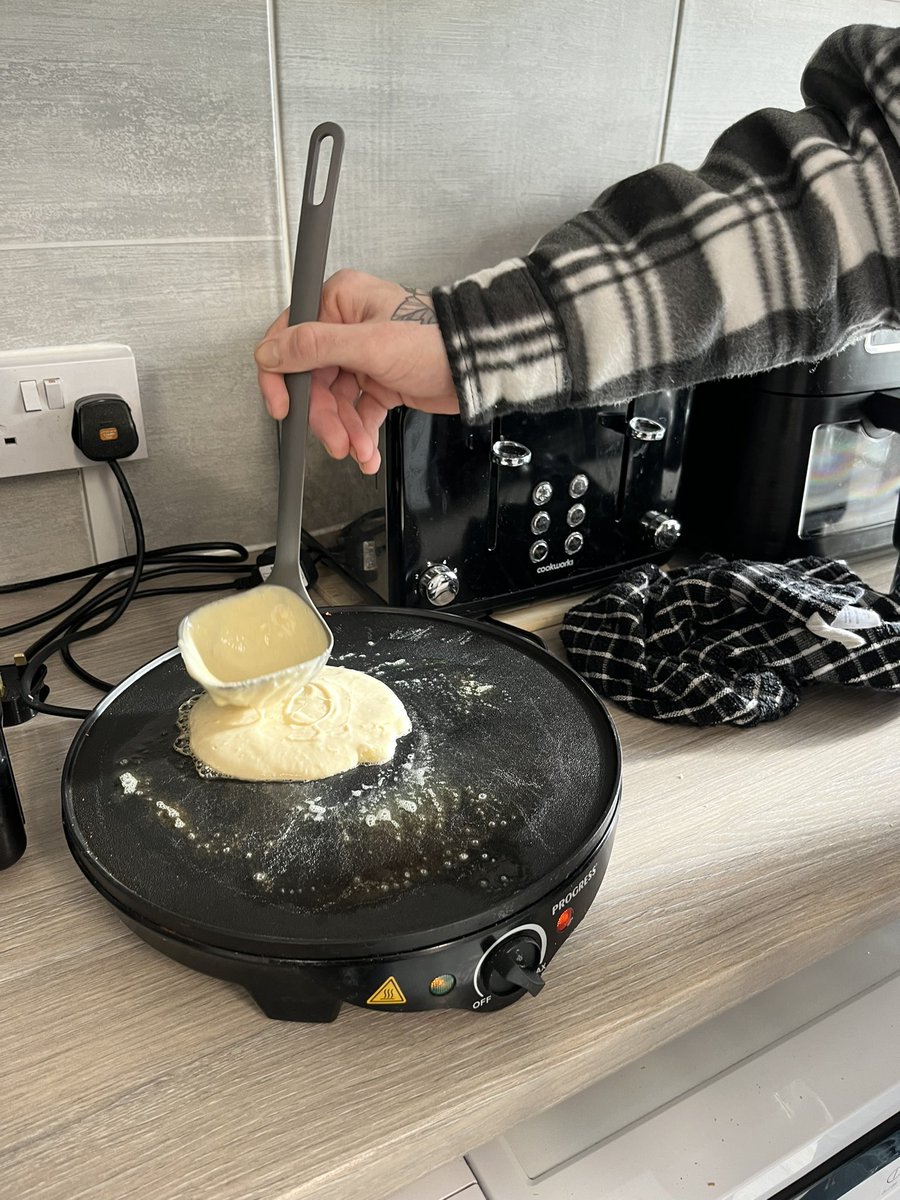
(279, 723)
(333, 723)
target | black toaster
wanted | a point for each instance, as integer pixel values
(529, 506)
(800, 460)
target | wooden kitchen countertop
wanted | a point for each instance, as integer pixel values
(741, 856)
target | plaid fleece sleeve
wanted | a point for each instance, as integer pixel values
(784, 246)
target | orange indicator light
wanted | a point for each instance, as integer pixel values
(565, 919)
(442, 984)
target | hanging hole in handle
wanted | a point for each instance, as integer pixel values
(321, 169)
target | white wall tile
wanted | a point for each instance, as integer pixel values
(737, 56)
(123, 119)
(191, 314)
(471, 128)
(42, 527)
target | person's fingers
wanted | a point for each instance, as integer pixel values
(360, 443)
(280, 322)
(387, 397)
(345, 390)
(372, 465)
(373, 349)
(272, 387)
(325, 422)
(372, 412)
(345, 386)
(274, 393)
(349, 297)
(445, 403)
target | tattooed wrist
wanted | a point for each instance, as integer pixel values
(416, 306)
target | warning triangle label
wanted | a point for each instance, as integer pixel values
(390, 992)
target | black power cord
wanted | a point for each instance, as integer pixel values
(73, 629)
(104, 431)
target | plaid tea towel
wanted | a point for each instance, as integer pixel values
(724, 642)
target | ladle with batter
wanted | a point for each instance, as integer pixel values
(239, 648)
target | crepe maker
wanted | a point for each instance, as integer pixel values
(447, 878)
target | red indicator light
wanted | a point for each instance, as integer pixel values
(565, 919)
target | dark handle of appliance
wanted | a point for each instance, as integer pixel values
(306, 294)
(882, 409)
(12, 820)
(493, 515)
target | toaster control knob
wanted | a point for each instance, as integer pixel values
(578, 485)
(439, 585)
(540, 522)
(514, 966)
(542, 493)
(661, 531)
(511, 454)
(539, 551)
(645, 429)
(574, 542)
(576, 515)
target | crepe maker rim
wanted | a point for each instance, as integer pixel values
(251, 957)
(140, 909)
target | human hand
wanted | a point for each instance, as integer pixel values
(376, 346)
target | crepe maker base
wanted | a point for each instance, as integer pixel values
(410, 885)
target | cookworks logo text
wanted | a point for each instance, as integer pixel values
(569, 562)
(567, 900)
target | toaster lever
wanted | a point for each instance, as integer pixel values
(641, 429)
(510, 454)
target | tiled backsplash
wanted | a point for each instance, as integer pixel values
(138, 204)
(139, 196)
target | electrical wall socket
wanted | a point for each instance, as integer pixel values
(38, 391)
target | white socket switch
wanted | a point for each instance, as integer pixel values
(38, 391)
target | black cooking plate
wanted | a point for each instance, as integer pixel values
(509, 778)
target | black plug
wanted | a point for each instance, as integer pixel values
(103, 427)
(13, 709)
(12, 821)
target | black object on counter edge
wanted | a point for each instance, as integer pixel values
(12, 820)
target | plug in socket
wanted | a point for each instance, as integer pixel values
(38, 392)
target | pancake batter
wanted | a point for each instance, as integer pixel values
(340, 719)
(259, 720)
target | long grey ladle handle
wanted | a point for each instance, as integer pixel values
(306, 294)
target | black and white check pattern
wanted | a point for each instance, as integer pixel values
(731, 642)
(784, 246)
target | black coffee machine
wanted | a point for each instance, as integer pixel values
(804, 459)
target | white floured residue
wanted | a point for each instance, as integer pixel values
(473, 687)
(416, 774)
(409, 635)
(129, 783)
(177, 819)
